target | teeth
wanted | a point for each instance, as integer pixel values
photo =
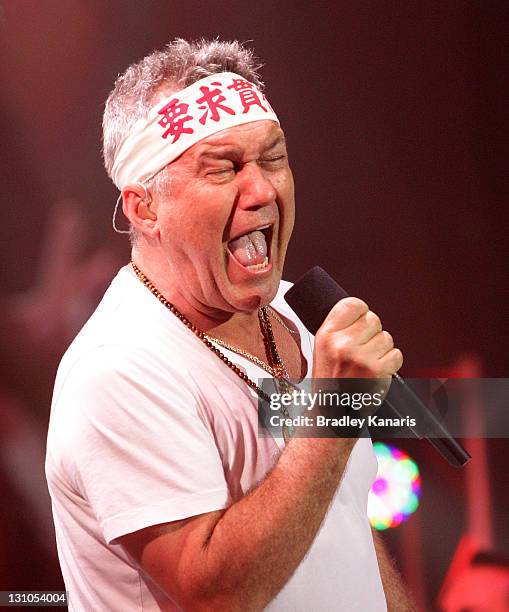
(259, 266)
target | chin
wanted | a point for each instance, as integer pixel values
(256, 297)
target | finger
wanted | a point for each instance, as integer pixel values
(343, 314)
(364, 329)
(391, 362)
(380, 344)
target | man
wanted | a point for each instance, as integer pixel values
(164, 496)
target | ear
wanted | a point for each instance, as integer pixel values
(139, 208)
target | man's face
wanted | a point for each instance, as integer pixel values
(226, 221)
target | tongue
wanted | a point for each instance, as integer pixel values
(250, 249)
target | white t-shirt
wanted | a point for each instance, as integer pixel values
(148, 426)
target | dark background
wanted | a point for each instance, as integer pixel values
(396, 117)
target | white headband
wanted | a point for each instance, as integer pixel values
(210, 105)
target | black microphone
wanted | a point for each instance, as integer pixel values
(312, 297)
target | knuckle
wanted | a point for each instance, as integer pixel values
(373, 319)
(354, 304)
(344, 313)
(343, 348)
(335, 345)
(388, 338)
(391, 363)
(321, 333)
(395, 360)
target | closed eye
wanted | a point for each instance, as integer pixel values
(221, 170)
(274, 161)
(221, 174)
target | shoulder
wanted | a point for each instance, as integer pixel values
(116, 396)
(130, 335)
(113, 381)
(131, 358)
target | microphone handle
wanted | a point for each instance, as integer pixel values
(312, 298)
(434, 431)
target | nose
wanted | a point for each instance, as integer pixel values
(256, 188)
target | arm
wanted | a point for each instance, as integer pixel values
(395, 592)
(240, 558)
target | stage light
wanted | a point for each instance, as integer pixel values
(395, 493)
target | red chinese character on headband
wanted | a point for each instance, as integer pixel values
(174, 120)
(247, 93)
(240, 84)
(211, 101)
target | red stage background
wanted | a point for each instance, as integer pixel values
(396, 117)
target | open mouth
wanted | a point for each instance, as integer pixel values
(252, 250)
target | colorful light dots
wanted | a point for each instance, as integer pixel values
(396, 490)
(379, 486)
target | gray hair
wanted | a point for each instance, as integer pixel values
(180, 63)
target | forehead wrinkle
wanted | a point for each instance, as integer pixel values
(217, 140)
(214, 148)
(221, 151)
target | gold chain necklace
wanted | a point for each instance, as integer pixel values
(242, 353)
(276, 369)
(280, 321)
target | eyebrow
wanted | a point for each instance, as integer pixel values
(278, 140)
(222, 151)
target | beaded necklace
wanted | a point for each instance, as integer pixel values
(276, 366)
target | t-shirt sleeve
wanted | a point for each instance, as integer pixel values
(135, 445)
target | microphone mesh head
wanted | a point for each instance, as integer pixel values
(313, 296)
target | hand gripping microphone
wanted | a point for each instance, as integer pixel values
(312, 298)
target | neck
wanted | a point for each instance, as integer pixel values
(240, 329)
(229, 326)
